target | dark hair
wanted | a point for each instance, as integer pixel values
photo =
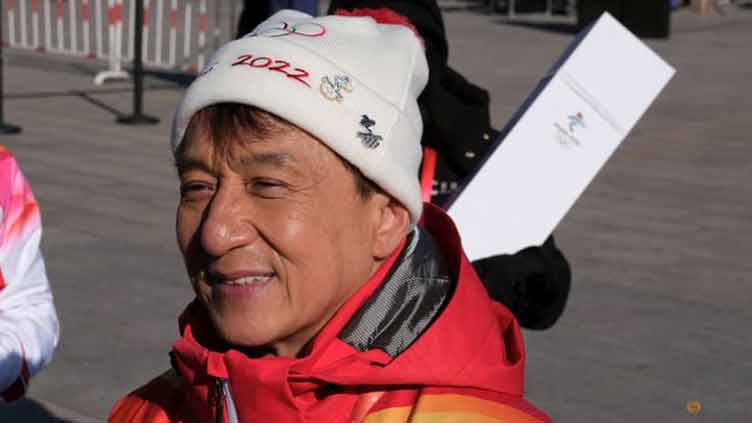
(227, 124)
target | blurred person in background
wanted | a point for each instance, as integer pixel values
(256, 11)
(29, 327)
(534, 283)
(310, 7)
(326, 290)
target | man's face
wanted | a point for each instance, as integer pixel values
(274, 235)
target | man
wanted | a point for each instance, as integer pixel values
(325, 290)
(28, 323)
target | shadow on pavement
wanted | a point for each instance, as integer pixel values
(181, 79)
(555, 27)
(28, 411)
(533, 18)
(479, 7)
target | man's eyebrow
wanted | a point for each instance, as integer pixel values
(271, 158)
(186, 164)
(255, 159)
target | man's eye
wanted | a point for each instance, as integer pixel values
(195, 191)
(267, 188)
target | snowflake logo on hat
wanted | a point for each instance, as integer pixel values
(369, 139)
(332, 90)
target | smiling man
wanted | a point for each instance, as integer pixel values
(325, 290)
(275, 232)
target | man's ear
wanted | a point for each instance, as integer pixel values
(393, 223)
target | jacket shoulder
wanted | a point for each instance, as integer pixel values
(455, 404)
(159, 401)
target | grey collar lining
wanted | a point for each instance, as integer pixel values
(413, 295)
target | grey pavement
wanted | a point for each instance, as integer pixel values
(659, 313)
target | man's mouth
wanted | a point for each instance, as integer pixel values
(248, 280)
(239, 284)
(237, 277)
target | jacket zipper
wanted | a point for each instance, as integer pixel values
(223, 402)
(219, 399)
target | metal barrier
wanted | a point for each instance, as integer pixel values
(105, 29)
(509, 11)
(5, 128)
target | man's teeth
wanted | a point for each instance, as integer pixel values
(249, 280)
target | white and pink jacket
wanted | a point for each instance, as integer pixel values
(29, 327)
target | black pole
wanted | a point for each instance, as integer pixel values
(5, 129)
(138, 117)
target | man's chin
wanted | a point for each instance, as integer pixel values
(240, 333)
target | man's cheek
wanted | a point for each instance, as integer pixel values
(287, 230)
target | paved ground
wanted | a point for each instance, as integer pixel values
(659, 244)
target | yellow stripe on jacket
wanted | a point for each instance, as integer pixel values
(447, 408)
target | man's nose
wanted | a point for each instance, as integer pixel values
(226, 224)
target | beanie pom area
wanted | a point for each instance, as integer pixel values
(382, 15)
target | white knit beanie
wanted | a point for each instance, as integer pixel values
(349, 81)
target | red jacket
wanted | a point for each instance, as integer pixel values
(465, 363)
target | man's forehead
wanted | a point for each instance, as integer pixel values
(281, 149)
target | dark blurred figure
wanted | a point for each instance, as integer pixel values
(533, 283)
(308, 6)
(256, 11)
(645, 19)
(558, 7)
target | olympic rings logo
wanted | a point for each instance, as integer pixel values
(283, 29)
